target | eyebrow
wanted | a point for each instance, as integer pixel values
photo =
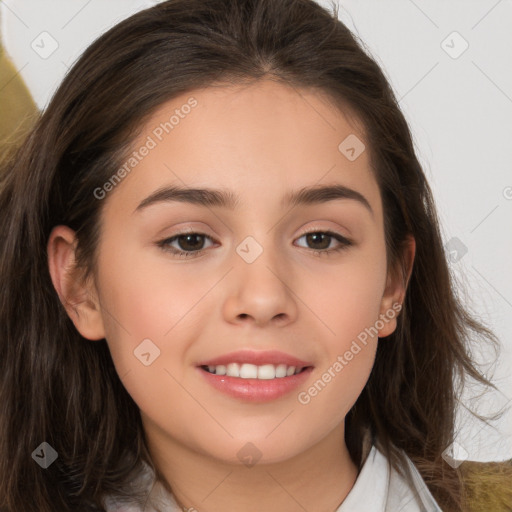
(222, 198)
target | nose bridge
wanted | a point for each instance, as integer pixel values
(260, 243)
(260, 260)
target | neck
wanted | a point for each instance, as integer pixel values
(317, 479)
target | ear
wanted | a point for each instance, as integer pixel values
(80, 299)
(396, 286)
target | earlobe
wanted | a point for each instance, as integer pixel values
(396, 287)
(78, 298)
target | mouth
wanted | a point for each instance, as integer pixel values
(255, 376)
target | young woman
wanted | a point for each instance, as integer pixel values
(223, 282)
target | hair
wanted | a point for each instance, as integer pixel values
(60, 388)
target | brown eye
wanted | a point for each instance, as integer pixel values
(320, 242)
(190, 242)
(185, 244)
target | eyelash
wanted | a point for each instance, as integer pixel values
(345, 243)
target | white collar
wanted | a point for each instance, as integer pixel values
(380, 488)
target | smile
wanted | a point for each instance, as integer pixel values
(243, 386)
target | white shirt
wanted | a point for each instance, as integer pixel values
(381, 489)
(378, 488)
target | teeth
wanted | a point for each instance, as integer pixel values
(282, 369)
(267, 371)
(251, 371)
(248, 371)
(233, 370)
(220, 370)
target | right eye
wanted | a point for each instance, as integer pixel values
(189, 244)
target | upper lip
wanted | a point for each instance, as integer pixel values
(257, 358)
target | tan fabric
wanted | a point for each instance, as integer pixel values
(17, 108)
(488, 485)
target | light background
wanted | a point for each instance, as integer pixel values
(459, 109)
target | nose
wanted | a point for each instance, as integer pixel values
(262, 292)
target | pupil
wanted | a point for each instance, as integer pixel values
(312, 237)
(192, 245)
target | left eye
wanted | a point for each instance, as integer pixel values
(192, 244)
(321, 237)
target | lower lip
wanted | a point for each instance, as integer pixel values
(256, 390)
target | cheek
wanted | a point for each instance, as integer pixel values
(349, 349)
(348, 308)
(147, 295)
(148, 332)
(347, 296)
(145, 309)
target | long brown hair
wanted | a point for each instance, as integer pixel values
(59, 388)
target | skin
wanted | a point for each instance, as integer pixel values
(259, 141)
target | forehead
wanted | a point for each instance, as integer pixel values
(261, 140)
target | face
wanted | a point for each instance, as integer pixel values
(300, 284)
